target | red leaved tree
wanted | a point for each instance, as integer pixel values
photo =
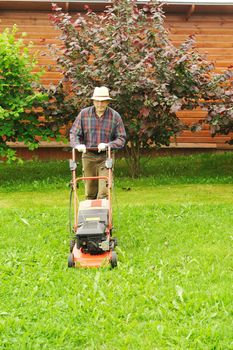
(127, 48)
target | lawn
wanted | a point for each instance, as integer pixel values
(172, 288)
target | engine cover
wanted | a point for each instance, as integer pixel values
(91, 228)
(92, 224)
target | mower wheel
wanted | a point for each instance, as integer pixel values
(71, 260)
(113, 260)
(72, 244)
(115, 241)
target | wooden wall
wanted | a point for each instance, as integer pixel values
(214, 35)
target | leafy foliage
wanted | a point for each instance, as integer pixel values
(219, 105)
(127, 48)
(59, 109)
(21, 113)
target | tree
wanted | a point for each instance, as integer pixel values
(219, 106)
(19, 100)
(127, 48)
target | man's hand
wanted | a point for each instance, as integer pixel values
(81, 148)
(102, 147)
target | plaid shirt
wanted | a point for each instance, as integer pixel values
(90, 130)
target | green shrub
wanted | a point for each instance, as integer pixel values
(18, 96)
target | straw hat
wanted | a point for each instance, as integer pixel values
(101, 94)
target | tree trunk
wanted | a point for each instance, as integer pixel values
(133, 159)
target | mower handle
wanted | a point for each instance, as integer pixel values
(107, 178)
(94, 148)
(108, 151)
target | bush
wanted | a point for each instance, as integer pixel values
(19, 100)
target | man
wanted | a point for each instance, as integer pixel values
(97, 127)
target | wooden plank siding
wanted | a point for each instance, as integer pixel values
(214, 36)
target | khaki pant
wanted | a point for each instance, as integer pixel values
(94, 165)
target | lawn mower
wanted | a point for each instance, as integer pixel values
(92, 244)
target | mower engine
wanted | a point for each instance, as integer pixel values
(92, 232)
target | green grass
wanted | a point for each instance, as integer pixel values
(172, 288)
(202, 168)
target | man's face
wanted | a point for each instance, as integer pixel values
(100, 106)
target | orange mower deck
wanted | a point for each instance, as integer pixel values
(87, 260)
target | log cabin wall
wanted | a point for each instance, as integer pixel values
(213, 29)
